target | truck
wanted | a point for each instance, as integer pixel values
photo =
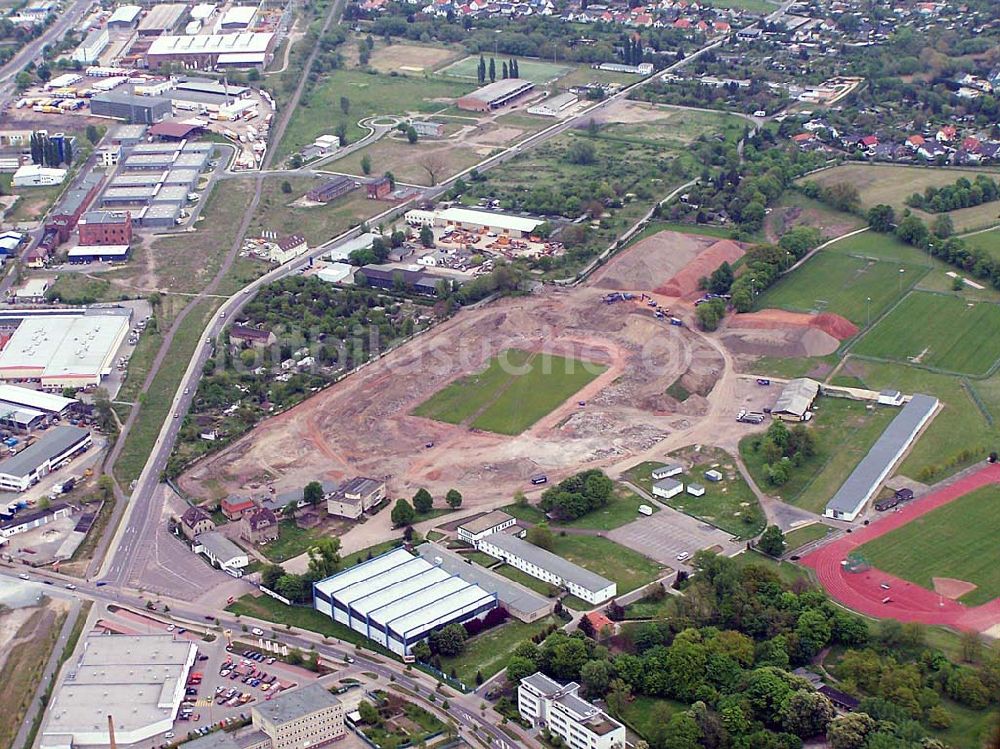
(750, 417)
(677, 321)
(539, 478)
(645, 510)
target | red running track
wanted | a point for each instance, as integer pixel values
(862, 591)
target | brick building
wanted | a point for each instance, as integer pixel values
(105, 228)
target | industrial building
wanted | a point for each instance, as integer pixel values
(76, 200)
(134, 109)
(237, 18)
(125, 18)
(492, 522)
(475, 221)
(162, 19)
(545, 703)
(397, 599)
(355, 497)
(796, 399)
(23, 409)
(412, 278)
(868, 475)
(221, 552)
(128, 135)
(89, 50)
(554, 105)
(64, 350)
(105, 228)
(548, 567)
(35, 175)
(495, 95)
(331, 190)
(138, 679)
(522, 603)
(99, 253)
(38, 460)
(22, 522)
(204, 52)
(307, 717)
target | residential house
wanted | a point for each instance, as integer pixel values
(194, 521)
(256, 337)
(259, 525)
(355, 497)
(234, 507)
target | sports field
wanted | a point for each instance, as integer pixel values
(937, 330)
(957, 540)
(517, 389)
(536, 71)
(835, 282)
(988, 241)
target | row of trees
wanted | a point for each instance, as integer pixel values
(404, 513)
(509, 69)
(47, 152)
(962, 194)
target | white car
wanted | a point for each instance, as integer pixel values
(171, 628)
(70, 586)
(187, 390)
(257, 632)
(682, 556)
(169, 735)
(24, 576)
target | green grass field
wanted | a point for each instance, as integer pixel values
(369, 95)
(832, 282)
(628, 568)
(988, 241)
(536, 71)
(957, 540)
(489, 652)
(939, 331)
(844, 431)
(806, 534)
(515, 390)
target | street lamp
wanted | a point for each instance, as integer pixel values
(901, 272)
(869, 301)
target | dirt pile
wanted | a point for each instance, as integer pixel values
(832, 324)
(651, 261)
(685, 283)
(791, 342)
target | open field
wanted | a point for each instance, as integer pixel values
(805, 535)
(628, 568)
(581, 75)
(669, 126)
(406, 161)
(408, 58)
(489, 652)
(517, 389)
(32, 202)
(795, 209)
(831, 282)
(938, 331)
(957, 540)
(787, 571)
(893, 184)
(537, 71)
(844, 431)
(369, 95)
(754, 6)
(277, 211)
(729, 504)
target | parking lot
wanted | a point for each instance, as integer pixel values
(668, 533)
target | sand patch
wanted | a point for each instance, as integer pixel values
(500, 136)
(651, 261)
(791, 342)
(951, 588)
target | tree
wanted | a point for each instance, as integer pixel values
(448, 641)
(270, 575)
(453, 499)
(843, 196)
(93, 134)
(850, 731)
(595, 677)
(402, 513)
(422, 651)
(345, 104)
(426, 236)
(913, 231)
(433, 163)
(881, 218)
(366, 164)
(324, 557)
(392, 180)
(493, 70)
(721, 279)
(504, 73)
(772, 541)
(411, 135)
(286, 187)
(369, 714)
(341, 133)
(541, 536)
(423, 501)
(943, 226)
(292, 587)
(481, 70)
(679, 732)
(312, 493)
(807, 714)
(518, 668)
(581, 152)
(710, 314)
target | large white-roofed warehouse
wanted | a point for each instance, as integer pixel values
(397, 599)
(472, 220)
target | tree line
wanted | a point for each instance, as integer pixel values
(962, 194)
(509, 69)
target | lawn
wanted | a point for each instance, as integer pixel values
(939, 331)
(832, 282)
(32, 202)
(368, 94)
(291, 542)
(372, 551)
(957, 540)
(787, 571)
(623, 508)
(537, 71)
(628, 568)
(278, 213)
(489, 652)
(644, 713)
(844, 431)
(529, 582)
(893, 184)
(729, 504)
(527, 512)
(515, 390)
(987, 241)
(885, 247)
(799, 537)
(649, 608)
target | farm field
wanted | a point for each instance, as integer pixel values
(938, 331)
(832, 282)
(844, 431)
(406, 161)
(956, 541)
(369, 95)
(505, 401)
(276, 211)
(536, 71)
(893, 184)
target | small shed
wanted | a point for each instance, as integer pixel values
(696, 490)
(890, 398)
(713, 475)
(667, 488)
(666, 471)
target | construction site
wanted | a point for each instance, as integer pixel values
(364, 424)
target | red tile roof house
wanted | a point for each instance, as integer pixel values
(602, 625)
(915, 141)
(234, 507)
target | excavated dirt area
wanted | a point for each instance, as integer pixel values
(791, 342)
(363, 426)
(685, 284)
(771, 319)
(652, 261)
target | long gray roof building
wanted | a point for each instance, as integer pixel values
(868, 475)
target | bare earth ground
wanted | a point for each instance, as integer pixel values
(363, 425)
(949, 587)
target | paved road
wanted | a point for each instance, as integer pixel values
(32, 50)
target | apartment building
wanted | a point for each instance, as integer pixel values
(558, 708)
